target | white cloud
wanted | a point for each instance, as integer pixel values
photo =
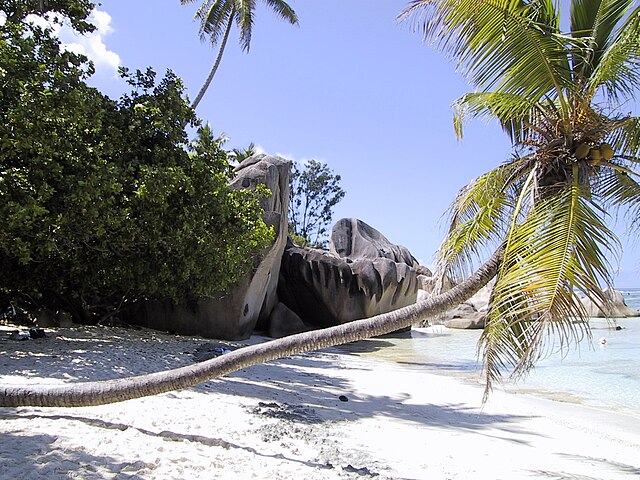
(42, 22)
(300, 160)
(90, 44)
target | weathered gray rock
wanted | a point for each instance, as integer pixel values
(352, 239)
(324, 290)
(65, 319)
(619, 308)
(284, 322)
(480, 300)
(234, 316)
(465, 316)
(468, 315)
(45, 318)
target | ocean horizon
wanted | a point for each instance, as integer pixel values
(603, 374)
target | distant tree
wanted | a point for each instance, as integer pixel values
(315, 190)
(240, 154)
(216, 18)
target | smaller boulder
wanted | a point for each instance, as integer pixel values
(284, 322)
(474, 323)
(464, 316)
(45, 318)
(65, 320)
(617, 309)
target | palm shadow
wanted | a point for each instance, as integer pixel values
(24, 454)
(296, 381)
(299, 381)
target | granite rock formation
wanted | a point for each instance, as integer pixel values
(326, 289)
(283, 322)
(353, 239)
(465, 316)
(618, 309)
(234, 316)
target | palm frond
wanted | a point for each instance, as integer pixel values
(617, 71)
(283, 10)
(213, 16)
(596, 21)
(544, 12)
(478, 218)
(515, 113)
(533, 63)
(245, 20)
(560, 249)
(619, 189)
(625, 137)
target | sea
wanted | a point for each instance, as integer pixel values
(602, 371)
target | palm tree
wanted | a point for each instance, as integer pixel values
(560, 96)
(241, 154)
(216, 18)
(111, 391)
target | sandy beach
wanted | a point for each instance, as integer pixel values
(325, 415)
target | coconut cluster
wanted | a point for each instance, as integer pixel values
(603, 151)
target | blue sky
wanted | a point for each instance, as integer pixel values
(350, 87)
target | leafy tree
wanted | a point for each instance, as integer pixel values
(216, 19)
(105, 202)
(560, 96)
(314, 191)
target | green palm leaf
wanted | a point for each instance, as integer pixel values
(558, 250)
(516, 113)
(625, 138)
(480, 213)
(617, 59)
(597, 22)
(534, 62)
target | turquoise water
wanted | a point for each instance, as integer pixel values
(602, 375)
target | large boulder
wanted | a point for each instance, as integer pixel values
(234, 315)
(617, 309)
(326, 289)
(353, 239)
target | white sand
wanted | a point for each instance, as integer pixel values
(284, 420)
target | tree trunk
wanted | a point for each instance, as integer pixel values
(216, 64)
(111, 391)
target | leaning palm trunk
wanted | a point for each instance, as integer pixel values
(216, 64)
(112, 391)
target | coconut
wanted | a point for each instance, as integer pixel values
(606, 151)
(582, 150)
(594, 154)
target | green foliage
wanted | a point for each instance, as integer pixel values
(561, 97)
(314, 191)
(106, 202)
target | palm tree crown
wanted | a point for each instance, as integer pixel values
(216, 18)
(560, 95)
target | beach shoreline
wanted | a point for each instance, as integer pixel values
(322, 415)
